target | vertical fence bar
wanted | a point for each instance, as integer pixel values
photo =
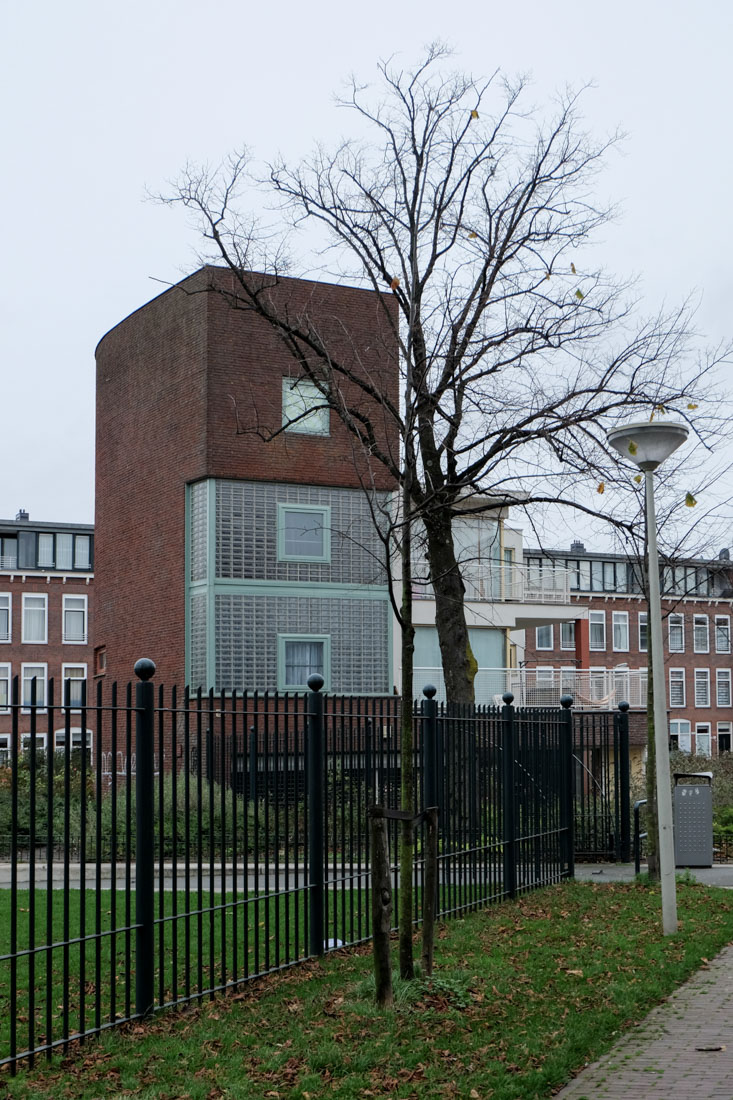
(569, 783)
(508, 781)
(315, 812)
(624, 781)
(430, 743)
(144, 839)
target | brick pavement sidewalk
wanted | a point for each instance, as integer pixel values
(683, 1049)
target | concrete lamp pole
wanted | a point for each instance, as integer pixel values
(648, 444)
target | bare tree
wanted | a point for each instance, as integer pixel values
(473, 214)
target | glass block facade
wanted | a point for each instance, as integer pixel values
(250, 591)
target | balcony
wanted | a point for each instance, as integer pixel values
(8, 561)
(600, 689)
(495, 582)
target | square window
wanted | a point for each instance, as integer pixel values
(75, 620)
(35, 625)
(305, 408)
(304, 532)
(544, 637)
(300, 656)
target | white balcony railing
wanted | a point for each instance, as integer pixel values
(601, 689)
(496, 583)
(8, 561)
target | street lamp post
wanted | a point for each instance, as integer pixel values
(648, 444)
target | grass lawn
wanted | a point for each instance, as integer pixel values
(523, 993)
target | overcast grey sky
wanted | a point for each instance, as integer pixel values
(102, 101)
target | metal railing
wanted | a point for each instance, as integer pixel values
(599, 689)
(204, 840)
(494, 583)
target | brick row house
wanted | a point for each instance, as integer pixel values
(46, 605)
(605, 649)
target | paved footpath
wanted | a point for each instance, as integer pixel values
(683, 1049)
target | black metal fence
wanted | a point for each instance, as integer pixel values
(601, 783)
(196, 842)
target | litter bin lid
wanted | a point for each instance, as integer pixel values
(693, 775)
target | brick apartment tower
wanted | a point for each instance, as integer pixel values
(254, 551)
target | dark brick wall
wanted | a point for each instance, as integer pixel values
(168, 380)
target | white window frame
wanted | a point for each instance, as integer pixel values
(620, 620)
(678, 622)
(24, 638)
(6, 678)
(323, 510)
(40, 706)
(65, 676)
(722, 633)
(643, 622)
(677, 681)
(4, 750)
(600, 618)
(25, 742)
(59, 739)
(544, 626)
(701, 623)
(303, 409)
(684, 736)
(570, 624)
(702, 678)
(723, 680)
(85, 633)
(726, 729)
(7, 636)
(703, 729)
(282, 640)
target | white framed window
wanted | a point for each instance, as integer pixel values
(702, 739)
(643, 632)
(702, 687)
(35, 619)
(6, 617)
(676, 687)
(676, 626)
(303, 532)
(722, 633)
(26, 742)
(621, 631)
(4, 750)
(305, 409)
(724, 737)
(722, 687)
(567, 636)
(680, 735)
(300, 656)
(5, 688)
(29, 673)
(544, 637)
(597, 630)
(701, 634)
(75, 620)
(59, 739)
(75, 675)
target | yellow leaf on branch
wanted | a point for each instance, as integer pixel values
(579, 295)
(691, 405)
(637, 479)
(601, 488)
(690, 500)
(474, 113)
(572, 268)
(394, 284)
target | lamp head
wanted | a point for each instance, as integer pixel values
(647, 442)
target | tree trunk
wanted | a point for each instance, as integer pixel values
(407, 843)
(459, 663)
(381, 907)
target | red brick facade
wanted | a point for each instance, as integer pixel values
(684, 663)
(181, 384)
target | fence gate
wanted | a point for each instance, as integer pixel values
(601, 774)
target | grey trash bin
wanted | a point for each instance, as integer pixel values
(693, 820)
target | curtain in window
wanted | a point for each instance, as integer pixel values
(74, 620)
(64, 551)
(34, 615)
(302, 659)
